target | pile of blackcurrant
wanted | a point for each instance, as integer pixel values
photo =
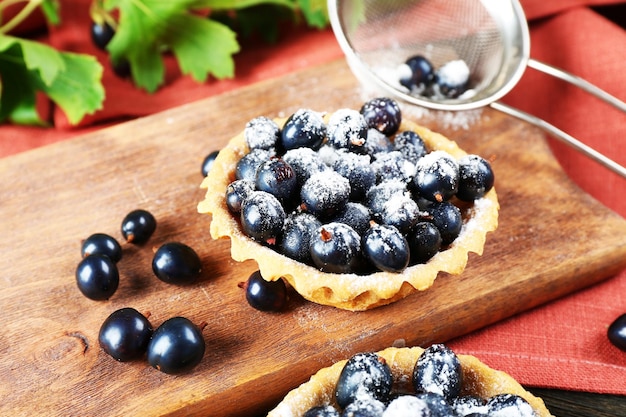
(366, 387)
(353, 194)
(419, 76)
(177, 345)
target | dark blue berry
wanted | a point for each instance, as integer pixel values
(276, 177)
(452, 79)
(617, 332)
(509, 405)
(138, 226)
(393, 166)
(378, 195)
(305, 162)
(176, 346)
(357, 169)
(364, 407)
(467, 405)
(325, 194)
(236, 193)
(377, 142)
(410, 144)
(424, 241)
(417, 73)
(265, 295)
(436, 176)
(176, 263)
(102, 244)
(262, 217)
(101, 34)
(347, 129)
(249, 163)
(476, 178)
(386, 248)
(261, 133)
(382, 114)
(438, 370)
(437, 404)
(355, 215)
(97, 277)
(336, 248)
(447, 218)
(125, 334)
(296, 237)
(207, 163)
(364, 373)
(304, 128)
(400, 211)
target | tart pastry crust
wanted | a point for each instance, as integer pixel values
(478, 379)
(346, 291)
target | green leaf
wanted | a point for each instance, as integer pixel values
(147, 28)
(50, 10)
(77, 90)
(315, 12)
(72, 81)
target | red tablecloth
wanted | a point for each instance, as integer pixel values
(560, 345)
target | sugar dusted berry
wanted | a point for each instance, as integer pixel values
(382, 114)
(261, 133)
(438, 370)
(325, 194)
(437, 176)
(364, 375)
(236, 193)
(304, 128)
(336, 248)
(262, 217)
(278, 178)
(386, 248)
(476, 177)
(347, 129)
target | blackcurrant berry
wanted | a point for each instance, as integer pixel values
(138, 226)
(304, 128)
(617, 332)
(357, 169)
(417, 72)
(476, 178)
(101, 34)
(347, 129)
(297, 232)
(236, 193)
(176, 263)
(436, 176)
(325, 194)
(410, 145)
(176, 346)
(509, 405)
(355, 215)
(336, 248)
(102, 244)
(125, 334)
(262, 217)
(265, 295)
(424, 241)
(382, 114)
(97, 277)
(452, 79)
(364, 373)
(207, 163)
(386, 248)
(305, 162)
(278, 178)
(447, 218)
(438, 370)
(261, 133)
(393, 166)
(246, 167)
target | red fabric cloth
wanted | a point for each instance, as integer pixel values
(560, 345)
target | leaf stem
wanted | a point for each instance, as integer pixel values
(30, 6)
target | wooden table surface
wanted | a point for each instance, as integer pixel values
(53, 197)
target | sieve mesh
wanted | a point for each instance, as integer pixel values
(383, 34)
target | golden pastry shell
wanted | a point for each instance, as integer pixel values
(345, 291)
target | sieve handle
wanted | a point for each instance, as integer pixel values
(562, 136)
(578, 82)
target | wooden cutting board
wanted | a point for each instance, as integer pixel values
(552, 240)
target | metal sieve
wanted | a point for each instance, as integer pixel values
(491, 36)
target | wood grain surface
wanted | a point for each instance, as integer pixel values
(552, 240)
